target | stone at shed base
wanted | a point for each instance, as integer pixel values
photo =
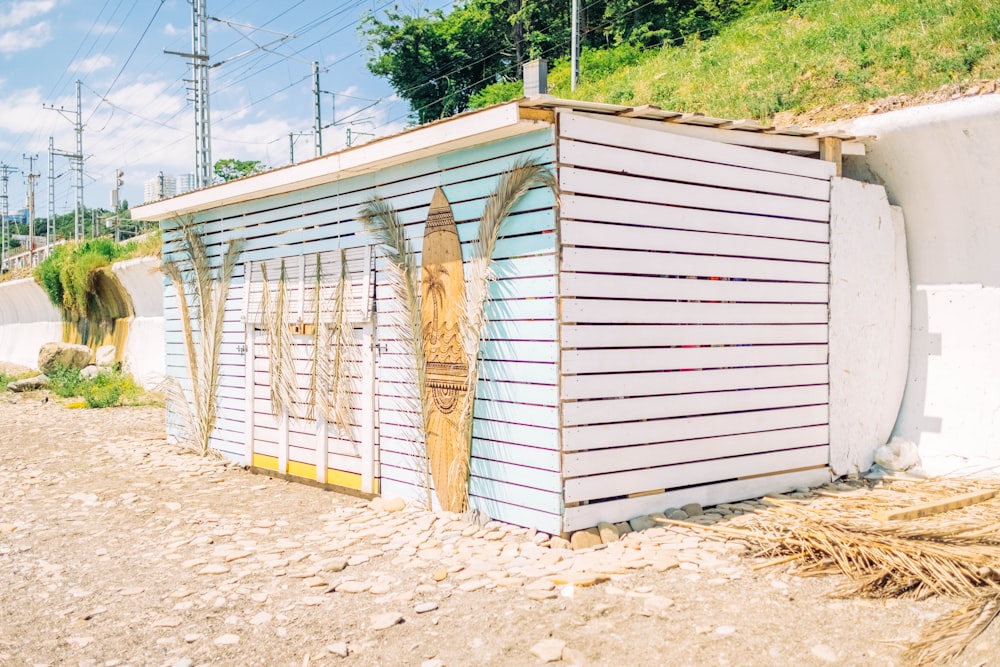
(693, 509)
(105, 355)
(585, 539)
(67, 355)
(29, 384)
(608, 531)
(559, 543)
(394, 505)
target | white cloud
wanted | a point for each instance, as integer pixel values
(173, 31)
(92, 64)
(25, 38)
(24, 10)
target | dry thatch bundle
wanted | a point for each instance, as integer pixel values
(281, 362)
(953, 553)
(201, 296)
(380, 218)
(331, 384)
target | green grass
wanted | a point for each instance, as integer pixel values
(7, 378)
(109, 388)
(820, 53)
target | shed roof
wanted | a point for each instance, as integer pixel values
(478, 127)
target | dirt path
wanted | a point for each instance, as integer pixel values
(119, 549)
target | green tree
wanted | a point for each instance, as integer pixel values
(229, 169)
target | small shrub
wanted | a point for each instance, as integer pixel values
(109, 388)
(65, 382)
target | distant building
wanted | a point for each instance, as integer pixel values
(159, 187)
(185, 183)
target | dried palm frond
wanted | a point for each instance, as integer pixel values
(512, 186)
(202, 291)
(318, 397)
(944, 639)
(284, 383)
(380, 218)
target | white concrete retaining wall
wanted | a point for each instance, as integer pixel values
(145, 346)
(28, 320)
(940, 163)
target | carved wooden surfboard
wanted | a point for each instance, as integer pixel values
(442, 295)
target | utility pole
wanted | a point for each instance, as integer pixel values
(574, 67)
(199, 90)
(50, 222)
(5, 171)
(76, 159)
(318, 124)
(31, 206)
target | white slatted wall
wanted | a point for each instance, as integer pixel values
(694, 285)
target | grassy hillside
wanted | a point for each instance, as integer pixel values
(820, 53)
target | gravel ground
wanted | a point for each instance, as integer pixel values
(117, 548)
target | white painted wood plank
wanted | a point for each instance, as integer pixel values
(679, 405)
(600, 260)
(546, 459)
(683, 359)
(583, 181)
(585, 516)
(651, 335)
(576, 438)
(366, 408)
(628, 237)
(683, 289)
(597, 209)
(677, 312)
(689, 474)
(705, 144)
(639, 160)
(599, 461)
(655, 382)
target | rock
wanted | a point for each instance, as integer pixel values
(214, 568)
(67, 355)
(623, 528)
(338, 649)
(440, 574)
(425, 607)
(656, 604)
(548, 650)
(559, 543)
(608, 532)
(433, 662)
(541, 595)
(183, 662)
(261, 618)
(678, 515)
(693, 509)
(168, 622)
(581, 579)
(386, 620)
(29, 384)
(725, 630)
(585, 539)
(7, 528)
(192, 637)
(394, 505)
(824, 653)
(259, 597)
(351, 586)
(226, 640)
(641, 523)
(105, 355)
(90, 372)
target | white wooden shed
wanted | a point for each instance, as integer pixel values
(659, 335)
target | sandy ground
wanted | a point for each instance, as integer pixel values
(117, 548)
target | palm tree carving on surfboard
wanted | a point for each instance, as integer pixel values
(442, 292)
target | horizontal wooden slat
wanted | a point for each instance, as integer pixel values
(394, 370)
(585, 516)
(617, 186)
(575, 362)
(689, 474)
(682, 289)
(641, 161)
(677, 312)
(680, 405)
(599, 260)
(650, 335)
(598, 461)
(657, 137)
(576, 438)
(599, 209)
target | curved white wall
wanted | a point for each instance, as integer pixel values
(28, 320)
(145, 346)
(941, 163)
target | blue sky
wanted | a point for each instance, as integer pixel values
(135, 104)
